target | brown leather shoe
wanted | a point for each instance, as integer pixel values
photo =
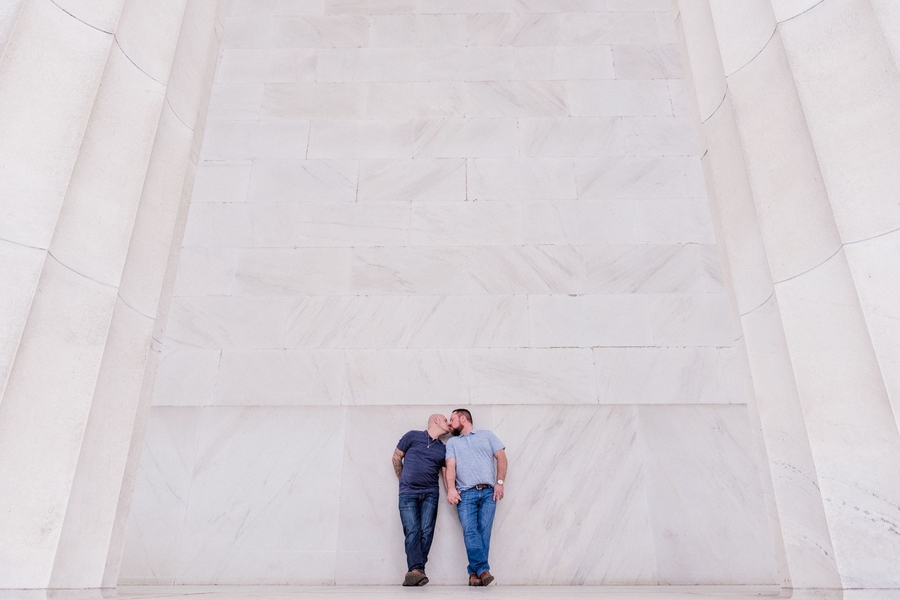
(486, 578)
(475, 581)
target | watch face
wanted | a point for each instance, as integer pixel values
(499, 482)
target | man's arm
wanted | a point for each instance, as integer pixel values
(397, 461)
(502, 464)
(450, 481)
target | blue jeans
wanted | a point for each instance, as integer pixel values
(476, 515)
(418, 513)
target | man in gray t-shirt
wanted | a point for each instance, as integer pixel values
(474, 487)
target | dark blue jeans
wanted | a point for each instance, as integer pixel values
(476, 515)
(418, 513)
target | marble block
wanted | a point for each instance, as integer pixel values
(549, 269)
(619, 98)
(418, 179)
(517, 178)
(631, 27)
(387, 138)
(392, 271)
(663, 375)
(467, 322)
(599, 532)
(516, 99)
(367, 64)
(307, 31)
(699, 466)
(222, 181)
(235, 140)
(329, 224)
(590, 320)
(152, 552)
(563, 62)
(285, 528)
(461, 138)
(639, 177)
(511, 376)
(279, 377)
(390, 377)
(291, 271)
(466, 224)
(266, 66)
(302, 181)
(658, 61)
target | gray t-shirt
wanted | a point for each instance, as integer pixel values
(474, 454)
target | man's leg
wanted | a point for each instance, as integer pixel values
(468, 509)
(429, 516)
(411, 518)
(486, 523)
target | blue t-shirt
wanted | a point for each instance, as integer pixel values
(422, 462)
(474, 454)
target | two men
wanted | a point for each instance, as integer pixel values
(472, 485)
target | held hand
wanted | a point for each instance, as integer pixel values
(453, 497)
(498, 492)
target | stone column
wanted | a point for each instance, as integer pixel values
(69, 410)
(789, 149)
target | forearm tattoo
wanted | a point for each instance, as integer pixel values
(398, 464)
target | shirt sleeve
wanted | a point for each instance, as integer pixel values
(496, 444)
(405, 442)
(451, 451)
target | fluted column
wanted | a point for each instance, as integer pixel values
(850, 104)
(68, 414)
(800, 515)
(50, 70)
(815, 144)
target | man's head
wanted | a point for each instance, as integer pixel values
(438, 425)
(460, 421)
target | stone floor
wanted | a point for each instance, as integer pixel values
(496, 592)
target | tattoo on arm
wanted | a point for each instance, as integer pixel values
(397, 460)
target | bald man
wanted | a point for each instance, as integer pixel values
(419, 464)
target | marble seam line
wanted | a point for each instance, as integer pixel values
(80, 20)
(802, 13)
(119, 296)
(876, 236)
(29, 246)
(755, 56)
(812, 268)
(109, 285)
(174, 112)
(136, 66)
(716, 109)
(761, 304)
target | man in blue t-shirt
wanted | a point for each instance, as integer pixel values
(474, 487)
(419, 464)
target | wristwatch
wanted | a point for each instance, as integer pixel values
(499, 482)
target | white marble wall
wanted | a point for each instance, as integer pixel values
(412, 205)
(610, 494)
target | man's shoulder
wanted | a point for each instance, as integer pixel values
(410, 436)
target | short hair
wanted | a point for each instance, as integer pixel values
(464, 413)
